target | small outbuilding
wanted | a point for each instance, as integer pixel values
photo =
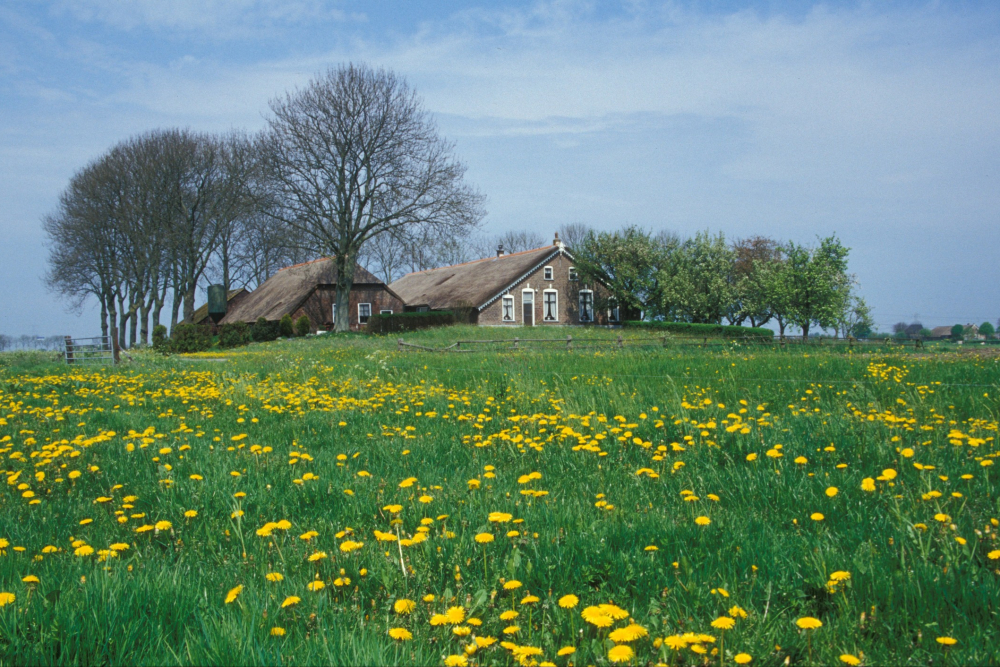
(233, 299)
(310, 289)
(533, 287)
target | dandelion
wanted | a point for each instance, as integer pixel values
(511, 630)
(316, 586)
(868, 484)
(277, 631)
(319, 555)
(509, 615)
(723, 623)
(566, 650)
(629, 633)
(831, 491)
(30, 579)
(401, 634)
(946, 641)
(703, 521)
(484, 538)
(621, 653)
(404, 606)
(511, 585)
(85, 550)
(499, 517)
(994, 555)
(233, 594)
(456, 661)
(849, 659)
(816, 516)
(455, 615)
(163, 525)
(6, 599)
(742, 658)
(568, 601)
(291, 600)
(190, 514)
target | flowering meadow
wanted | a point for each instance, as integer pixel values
(335, 501)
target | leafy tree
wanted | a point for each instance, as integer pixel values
(699, 286)
(926, 333)
(354, 155)
(628, 263)
(957, 332)
(856, 320)
(749, 272)
(817, 284)
(987, 329)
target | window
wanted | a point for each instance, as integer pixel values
(586, 305)
(334, 320)
(551, 302)
(613, 311)
(386, 311)
(364, 312)
(548, 272)
(572, 274)
(423, 309)
(508, 308)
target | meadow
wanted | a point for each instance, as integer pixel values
(334, 500)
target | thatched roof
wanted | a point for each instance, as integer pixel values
(470, 284)
(286, 290)
(201, 312)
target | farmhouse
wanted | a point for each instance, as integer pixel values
(310, 289)
(533, 287)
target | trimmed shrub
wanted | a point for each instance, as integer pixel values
(263, 330)
(957, 332)
(398, 322)
(160, 341)
(704, 330)
(302, 326)
(285, 327)
(190, 338)
(234, 334)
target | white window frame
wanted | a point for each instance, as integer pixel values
(582, 309)
(385, 311)
(364, 321)
(573, 275)
(524, 292)
(334, 312)
(548, 273)
(508, 299)
(614, 312)
(545, 305)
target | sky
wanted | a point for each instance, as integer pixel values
(874, 121)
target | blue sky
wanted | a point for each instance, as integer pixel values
(873, 120)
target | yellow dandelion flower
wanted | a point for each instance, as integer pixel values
(455, 615)
(621, 653)
(6, 599)
(816, 516)
(401, 634)
(512, 585)
(723, 623)
(484, 538)
(809, 623)
(233, 594)
(946, 641)
(568, 601)
(291, 600)
(277, 632)
(566, 650)
(456, 661)
(742, 658)
(849, 659)
(404, 606)
(703, 521)
(316, 586)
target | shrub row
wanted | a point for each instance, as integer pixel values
(703, 330)
(185, 338)
(398, 322)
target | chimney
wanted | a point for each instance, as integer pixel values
(500, 250)
(556, 242)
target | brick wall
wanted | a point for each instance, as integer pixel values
(567, 292)
(319, 306)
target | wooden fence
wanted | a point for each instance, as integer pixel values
(569, 343)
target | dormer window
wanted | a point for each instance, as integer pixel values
(548, 272)
(572, 274)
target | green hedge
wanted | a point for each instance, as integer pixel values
(703, 330)
(398, 322)
(234, 334)
(263, 331)
(190, 338)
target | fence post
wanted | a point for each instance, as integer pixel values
(458, 345)
(115, 350)
(664, 341)
(515, 342)
(399, 344)
(621, 343)
(69, 349)
(569, 342)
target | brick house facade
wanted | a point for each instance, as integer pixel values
(532, 288)
(364, 298)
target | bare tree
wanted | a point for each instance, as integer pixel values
(355, 155)
(574, 233)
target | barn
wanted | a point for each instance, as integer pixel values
(534, 287)
(310, 289)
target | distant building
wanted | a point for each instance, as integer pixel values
(310, 289)
(533, 287)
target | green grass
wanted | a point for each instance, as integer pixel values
(354, 403)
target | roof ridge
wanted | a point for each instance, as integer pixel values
(481, 259)
(311, 261)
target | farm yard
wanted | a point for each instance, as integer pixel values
(335, 500)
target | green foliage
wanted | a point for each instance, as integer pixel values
(285, 327)
(190, 338)
(957, 332)
(812, 286)
(926, 333)
(702, 330)
(264, 330)
(234, 334)
(399, 322)
(160, 341)
(987, 329)
(628, 263)
(303, 326)
(697, 285)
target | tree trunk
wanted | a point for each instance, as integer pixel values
(174, 307)
(144, 323)
(805, 331)
(122, 323)
(345, 279)
(189, 304)
(133, 316)
(104, 317)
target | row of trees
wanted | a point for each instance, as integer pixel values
(26, 342)
(351, 158)
(707, 279)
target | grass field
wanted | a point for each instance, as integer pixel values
(332, 500)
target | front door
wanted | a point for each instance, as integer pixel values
(528, 307)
